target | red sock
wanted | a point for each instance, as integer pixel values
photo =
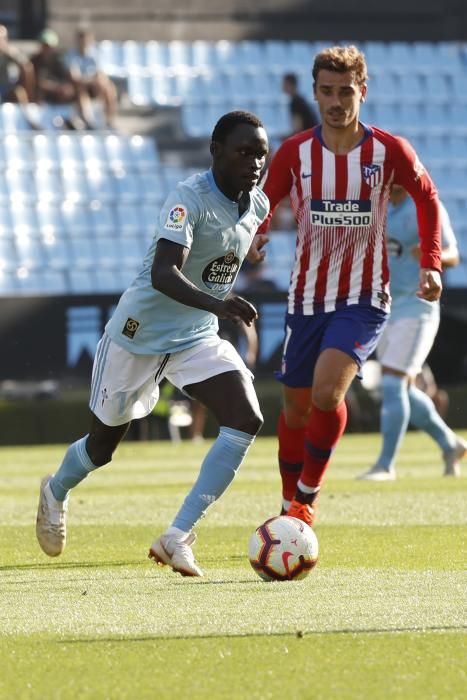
(291, 443)
(322, 435)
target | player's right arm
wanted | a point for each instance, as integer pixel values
(277, 185)
(167, 277)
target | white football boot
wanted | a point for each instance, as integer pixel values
(451, 458)
(177, 553)
(378, 473)
(51, 520)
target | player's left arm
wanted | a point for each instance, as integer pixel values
(449, 247)
(411, 174)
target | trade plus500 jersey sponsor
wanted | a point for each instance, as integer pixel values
(341, 212)
(220, 274)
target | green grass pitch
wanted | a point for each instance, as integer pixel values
(383, 615)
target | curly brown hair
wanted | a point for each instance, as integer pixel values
(342, 59)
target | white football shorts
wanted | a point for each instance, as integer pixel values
(405, 343)
(125, 385)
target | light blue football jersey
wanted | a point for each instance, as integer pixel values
(200, 217)
(402, 236)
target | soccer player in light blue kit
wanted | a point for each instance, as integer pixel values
(406, 342)
(165, 325)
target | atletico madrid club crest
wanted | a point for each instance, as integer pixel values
(371, 174)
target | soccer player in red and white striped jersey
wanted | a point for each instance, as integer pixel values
(338, 177)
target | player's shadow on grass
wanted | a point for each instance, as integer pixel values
(70, 565)
(299, 634)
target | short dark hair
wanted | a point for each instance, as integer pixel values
(291, 78)
(229, 121)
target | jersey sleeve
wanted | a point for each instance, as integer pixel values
(261, 206)
(278, 181)
(411, 174)
(448, 237)
(178, 217)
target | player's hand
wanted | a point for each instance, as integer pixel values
(430, 285)
(236, 308)
(256, 254)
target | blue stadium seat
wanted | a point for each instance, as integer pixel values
(57, 253)
(134, 56)
(144, 154)
(110, 58)
(83, 251)
(225, 55)
(194, 121)
(156, 55)
(300, 57)
(8, 254)
(276, 56)
(179, 54)
(202, 53)
(102, 185)
(108, 282)
(70, 153)
(377, 55)
(75, 187)
(17, 152)
(30, 252)
(46, 152)
(48, 185)
(81, 281)
(93, 150)
(128, 217)
(102, 218)
(439, 88)
(76, 218)
(127, 186)
(50, 220)
(152, 188)
(13, 118)
(140, 90)
(132, 250)
(8, 283)
(24, 219)
(400, 56)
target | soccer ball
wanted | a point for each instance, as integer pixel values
(283, 548)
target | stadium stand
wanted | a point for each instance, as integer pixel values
(73, 202)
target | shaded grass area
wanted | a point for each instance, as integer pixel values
(383, 615)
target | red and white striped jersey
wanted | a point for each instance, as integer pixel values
(340, 206)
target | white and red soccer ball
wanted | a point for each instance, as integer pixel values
(282, 549)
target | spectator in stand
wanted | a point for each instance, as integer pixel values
(53, 81)
(302, 114)
(91, 82)
(16, 72)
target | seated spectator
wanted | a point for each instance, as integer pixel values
(92, 83)
(16, 72)
(53, 83)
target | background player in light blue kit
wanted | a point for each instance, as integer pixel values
(165, 325)
(406, 342)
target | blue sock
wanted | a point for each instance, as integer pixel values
(75, 467)
(395, 412)
(424, 416)
(217, 472)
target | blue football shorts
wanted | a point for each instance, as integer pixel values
(354, 330)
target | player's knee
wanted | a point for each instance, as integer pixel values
(100, 455)
(251, 423)
(327, 398)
